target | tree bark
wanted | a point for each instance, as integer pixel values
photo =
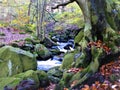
(42, 19)
(101, 27)
(41, 5)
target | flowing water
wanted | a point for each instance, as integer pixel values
(56, 60)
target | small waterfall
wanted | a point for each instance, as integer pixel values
(56, 60)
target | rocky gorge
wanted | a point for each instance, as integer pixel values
(24, 60)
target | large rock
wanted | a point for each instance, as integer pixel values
(29, 79)
(14, 61)
(48, 42)
(55, 74)
(42, 51)
(67, 61)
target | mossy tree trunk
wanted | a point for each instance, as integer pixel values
(102, 21)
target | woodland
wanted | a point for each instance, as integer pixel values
(59, 44)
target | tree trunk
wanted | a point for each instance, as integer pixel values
(41, 5)
(42, 19)
(99, 38)
(101, 24)
(37, 18)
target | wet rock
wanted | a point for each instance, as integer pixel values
(26, 85)
(49, 42)
(55, 74)
(28, 47)
(42, 51)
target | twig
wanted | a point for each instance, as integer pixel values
(51, 15)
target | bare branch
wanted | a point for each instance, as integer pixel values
(63, 4)
(51, 15)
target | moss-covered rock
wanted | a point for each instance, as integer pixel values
(10, 81)
(80, 60)
(48, 42)
(14, 61)
(43, 78)
(33, 40)
(67, 61)
(36, 76)
(14, 44)
(66, 78)
(55, 51)
(42, 51)
(55, 74)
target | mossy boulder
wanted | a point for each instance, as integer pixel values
(55, 74)
(43, 78)
(14, 44)
(9, 81)
(36, 76)
(67, 61)
(48, 42)
(14, 61)
(32, 40)
(42, 51)
(55, 51)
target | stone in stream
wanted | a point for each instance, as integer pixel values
(42, 51)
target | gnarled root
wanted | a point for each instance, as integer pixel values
(89, 70)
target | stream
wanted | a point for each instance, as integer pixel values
(56, 60)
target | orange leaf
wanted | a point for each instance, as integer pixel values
(65, 88)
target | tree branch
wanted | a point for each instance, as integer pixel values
(51, 15)
(63, 4)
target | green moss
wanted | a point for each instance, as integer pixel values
(79, 37)
(15, 80)
(30, 74)
(8, 69)
(66, 78)
(29, 66)
(43, 78)
(80, 61)
(111, 20)
(15, 60)
(76, 21)
(67, 61)
(109, 15)
(55, 72)
(33, 40)
(10, 81)
(28, 39)
(94, 19)
(42, 51)
(41, 74)
(22, 33)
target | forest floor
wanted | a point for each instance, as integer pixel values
(9, 35)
